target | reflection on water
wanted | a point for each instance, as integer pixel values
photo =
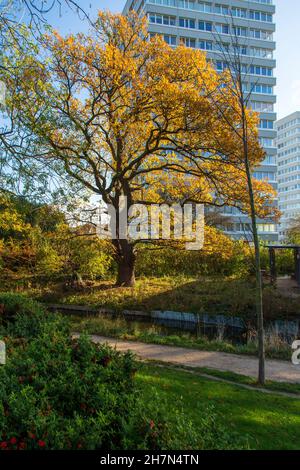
(234, 329)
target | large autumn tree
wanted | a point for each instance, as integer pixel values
(127, 116)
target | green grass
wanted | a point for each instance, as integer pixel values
(155, 334)
(239, 379)
(270, 422)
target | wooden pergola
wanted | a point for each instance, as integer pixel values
(272, 256)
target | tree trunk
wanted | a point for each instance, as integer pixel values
(126, 265)
(258, 275)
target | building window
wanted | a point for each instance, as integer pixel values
(266, 142)
(262, 89)
(239, 12)
(260, 16)
(205, 7)
(187, 4)
(240, 31)
(162, 19)
(260, 34)
(187, 23)
(261, 52)
(171, 40)
(266, 227)
(266, 124)
(258, 70)
(265, 175)
(222, 28)
(205, 26)
(205, 45)
(262, 107)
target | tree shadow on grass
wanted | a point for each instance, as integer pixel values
(212, 296)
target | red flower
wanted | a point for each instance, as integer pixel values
(79, 445)
(22, 445)
(151, 424)
(31, 435)
(41, 443)
(13, 441)
(3, 445)
(105, 361)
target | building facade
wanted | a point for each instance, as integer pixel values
(288, 161)
(205, 25)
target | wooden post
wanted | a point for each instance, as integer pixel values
(297, 265)
(272, 265)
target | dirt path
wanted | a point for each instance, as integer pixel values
(279, 371)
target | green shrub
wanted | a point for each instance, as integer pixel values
(195, 263)
(59, 393)
(48, 261)
(13, 305)
(285, 263)
(22, 317)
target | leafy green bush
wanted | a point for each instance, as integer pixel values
(232, 260)
(285, 264)
(23, 317)
(13, 305)
(66, 254)
(48, 261)
(61, 393)
(89, 258)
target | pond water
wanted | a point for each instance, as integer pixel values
(234, 329)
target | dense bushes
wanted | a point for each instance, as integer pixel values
(285, 264)
(14, 304)
(68, 394)
(220, 255)
(58, 392)
(53, 255)
(232, 258)
(37, 244)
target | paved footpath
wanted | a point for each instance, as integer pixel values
(280, 371)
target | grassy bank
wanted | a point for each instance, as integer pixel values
(155, 334)
(211, 295)
(267, 422)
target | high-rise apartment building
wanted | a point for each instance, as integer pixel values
(205, 25)
(288, 161)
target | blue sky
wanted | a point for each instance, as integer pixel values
(288, 56)
(287, 37)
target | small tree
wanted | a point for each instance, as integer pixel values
(235, 81)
